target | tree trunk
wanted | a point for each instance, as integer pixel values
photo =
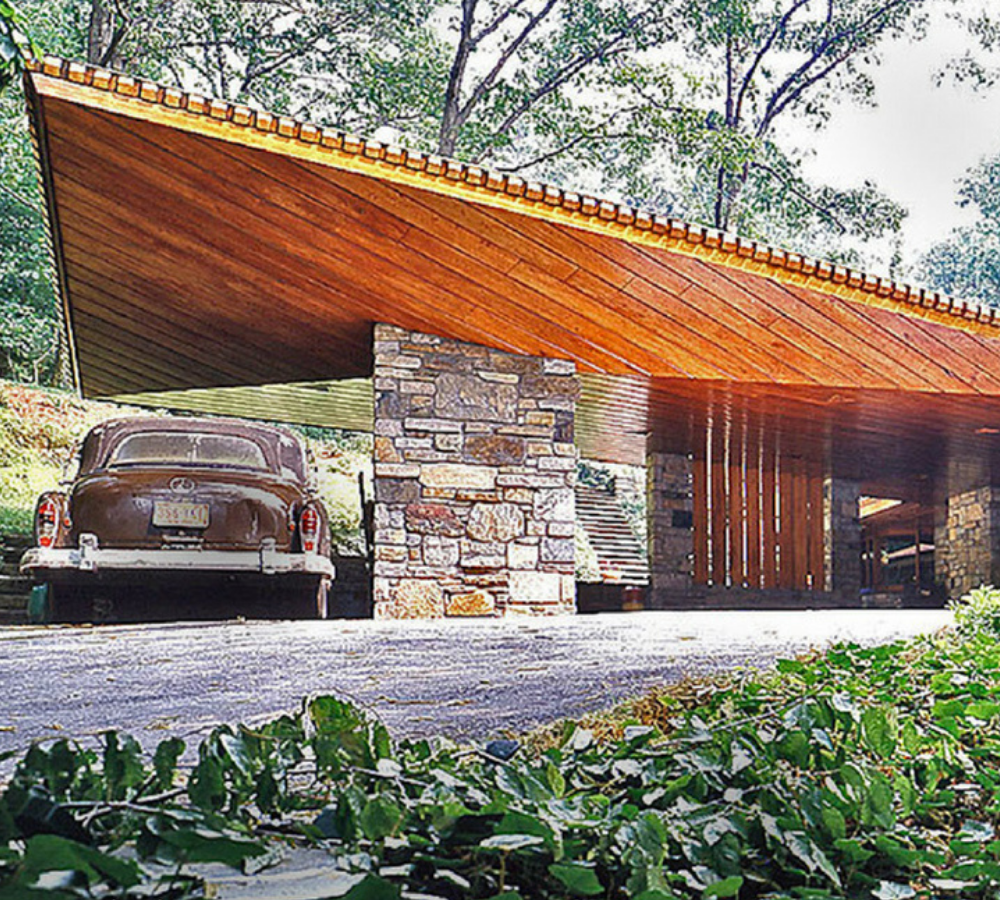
(451, 115)
(104, 36)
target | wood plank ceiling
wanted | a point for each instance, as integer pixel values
(197, 251)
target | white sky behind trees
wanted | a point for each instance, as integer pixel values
(917, 141)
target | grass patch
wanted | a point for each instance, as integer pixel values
(858, 773)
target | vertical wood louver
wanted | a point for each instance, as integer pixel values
(758, 511)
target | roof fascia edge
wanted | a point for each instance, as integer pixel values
(40, 142)
(150, 102)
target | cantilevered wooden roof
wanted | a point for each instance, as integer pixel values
(204, 244)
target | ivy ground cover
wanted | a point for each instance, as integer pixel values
(861, 773)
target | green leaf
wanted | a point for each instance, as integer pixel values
(207, 787)
(878, 730)
(834, 822)
(380, 818)
(373, 887)
(578, 878)
(123, 766)
(982, 709)
(728, 887)
(510, 842)
(51, 853)
(168, 752)
(200, 847)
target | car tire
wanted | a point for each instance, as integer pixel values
(68, 605)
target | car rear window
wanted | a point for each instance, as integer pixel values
(173, 448)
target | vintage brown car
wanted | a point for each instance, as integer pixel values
(171, 517)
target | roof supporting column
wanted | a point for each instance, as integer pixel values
(474, 471)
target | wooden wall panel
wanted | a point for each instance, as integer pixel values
(718, 506)
(758, 513)
(699, 490)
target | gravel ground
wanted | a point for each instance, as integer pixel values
(470, 679)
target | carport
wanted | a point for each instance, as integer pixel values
(487, 328)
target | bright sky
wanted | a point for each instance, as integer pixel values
(917, 141)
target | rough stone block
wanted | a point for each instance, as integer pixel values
(449, 443)
(385, 332)
(440, 552)
(396, 360)
(458, 475)
(564, 528)
(555, 504)
(557, 464)
(483, 555)
(396, 490)
(522, 556)
(540, 448)
(495, 522)
(431, 424)
(417, 387)
(527, 587)
(559, 367)
(388, 427)
(396, 470)
(538, 417)
(385, 450)
(500, 377)
(391, 405)
(494, 450)
(463, 496)
(418, 598)
(530, 480)
(548, 386)
(434, 518)
(559, 550)
(390, 553)
(476, 603)
(470, 397)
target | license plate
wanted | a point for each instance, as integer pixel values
(168, 514)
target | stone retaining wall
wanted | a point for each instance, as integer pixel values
(474, 472)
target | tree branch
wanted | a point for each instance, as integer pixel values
(598, 132)
(787, 184)
(778, 102)
(778, 29)
(496, 23)
(20, 198)
(557, 80)
(511, 49)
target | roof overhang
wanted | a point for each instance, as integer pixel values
(202, 244)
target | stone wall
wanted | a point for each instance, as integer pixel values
(842, 539)
(670, 534)
(474, 472)
(967, 546)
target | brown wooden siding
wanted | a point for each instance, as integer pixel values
(758, 512)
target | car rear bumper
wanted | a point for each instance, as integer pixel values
(266, 561)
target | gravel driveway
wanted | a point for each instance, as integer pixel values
(470, 679)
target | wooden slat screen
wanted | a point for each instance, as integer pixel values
(758, 511)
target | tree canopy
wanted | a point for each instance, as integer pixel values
(967, 263)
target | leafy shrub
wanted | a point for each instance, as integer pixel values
(978, 612)
(867, 773)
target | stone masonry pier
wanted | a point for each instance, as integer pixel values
(474, 472)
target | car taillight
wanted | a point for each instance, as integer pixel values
(309, 529)
(46, 518)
